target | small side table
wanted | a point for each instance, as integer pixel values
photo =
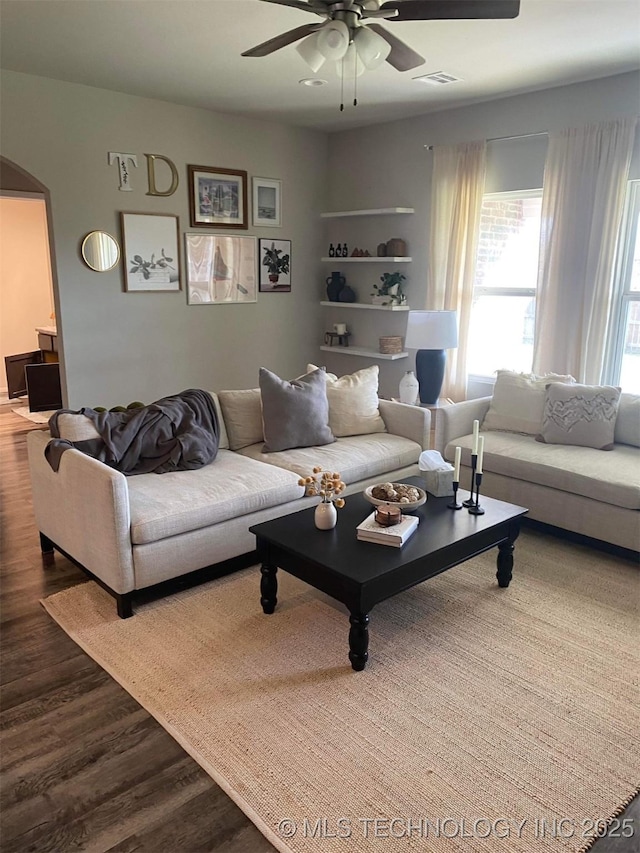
(434, 408)
(343, 339)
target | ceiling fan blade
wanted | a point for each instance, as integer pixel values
(402, 57)
(297, 4)
(282, 40)
(449, 10)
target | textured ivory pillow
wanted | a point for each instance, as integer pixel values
(517, 403)
(353, 402)
(628, 420)
(294, 414)
(75, 427)
(583, 415)
(242, 417)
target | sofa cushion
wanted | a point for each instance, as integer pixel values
(356, 457)
(296, 413)
(583, 415)
(353, 402)
(517, 403)
(612, 478)
(242, 412)
(181, 501)
(223, 438)
(628, 420)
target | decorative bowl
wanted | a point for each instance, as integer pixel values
(405, 507)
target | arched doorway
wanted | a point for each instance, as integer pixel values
(29, 292)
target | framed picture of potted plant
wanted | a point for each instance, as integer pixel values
(221, 268)
(267, 203)
(150, 251)
(275, 266)
(217, 197)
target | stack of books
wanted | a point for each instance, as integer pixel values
(370, 531)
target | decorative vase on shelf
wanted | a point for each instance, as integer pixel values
(347, 294)
(326, 515)
(409, 388)
(335, 284)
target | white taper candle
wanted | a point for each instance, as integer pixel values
(480, 454)
(456, 465)
(476, 428)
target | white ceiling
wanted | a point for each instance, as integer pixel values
(188, 52)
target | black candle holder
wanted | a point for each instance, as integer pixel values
(474, 463)
(454, 503)
(476, 509)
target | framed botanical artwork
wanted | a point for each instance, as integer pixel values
(217, 197)
(220, 269)
(267, 202)
(275, 266)
(150, 251)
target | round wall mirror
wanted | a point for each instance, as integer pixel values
(100, 251)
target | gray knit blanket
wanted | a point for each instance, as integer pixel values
(175, 433)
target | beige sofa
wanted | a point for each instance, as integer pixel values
(595, 493)
(131, 533)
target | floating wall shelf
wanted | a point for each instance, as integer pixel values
(366, 353)
(376, 211)
(370, 260)
(367, 305)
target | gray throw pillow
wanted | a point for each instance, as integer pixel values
(294, 414)
(583, 415)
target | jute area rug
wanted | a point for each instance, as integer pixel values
(486, 719)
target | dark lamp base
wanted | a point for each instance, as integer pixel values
(430, 365)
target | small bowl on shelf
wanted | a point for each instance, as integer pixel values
(381, 494)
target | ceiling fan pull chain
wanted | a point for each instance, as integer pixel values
(355, 78)
(342, 85)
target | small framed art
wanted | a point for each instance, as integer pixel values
(275, 266)
(217, 197)
(150, 251)
(220, 269)
(267, 203)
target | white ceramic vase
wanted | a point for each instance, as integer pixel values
(409, 387)
(326, 516)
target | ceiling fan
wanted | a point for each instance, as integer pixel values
(349, 31)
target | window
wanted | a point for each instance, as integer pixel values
(503, 313)
(624, 360)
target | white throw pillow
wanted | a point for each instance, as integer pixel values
(517, 404)
(74, 427)
(353, 402)
(242, 412)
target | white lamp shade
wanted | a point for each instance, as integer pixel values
(333, 40)
(309, 51)
(351, 66)
(432, 330)
(372, 48)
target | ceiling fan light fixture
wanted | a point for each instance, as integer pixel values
(333, 40)
(372, 48)
(309, 51)
(351, 65)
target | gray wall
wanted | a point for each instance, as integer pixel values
(117, 346)
(388, 165)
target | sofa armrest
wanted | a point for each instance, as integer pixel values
(410, 422)
(84, 509)
(457, 420)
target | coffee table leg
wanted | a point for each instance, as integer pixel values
(359, 640)
(269, 587)
(505, 558)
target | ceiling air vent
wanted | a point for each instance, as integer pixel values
(438, 78)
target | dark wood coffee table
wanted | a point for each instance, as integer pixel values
(362, 574)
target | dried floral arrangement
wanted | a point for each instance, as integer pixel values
(326, 484)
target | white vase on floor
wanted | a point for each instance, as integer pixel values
(326, 516)
(409, 387)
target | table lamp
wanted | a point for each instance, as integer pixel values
(431, 333)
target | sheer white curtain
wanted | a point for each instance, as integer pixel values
(585, 180)
(457, 187)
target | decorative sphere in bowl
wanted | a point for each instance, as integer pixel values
(404, 495)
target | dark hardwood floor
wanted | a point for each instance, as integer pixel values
(84, 767)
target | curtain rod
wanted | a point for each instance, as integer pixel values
(500, 138)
